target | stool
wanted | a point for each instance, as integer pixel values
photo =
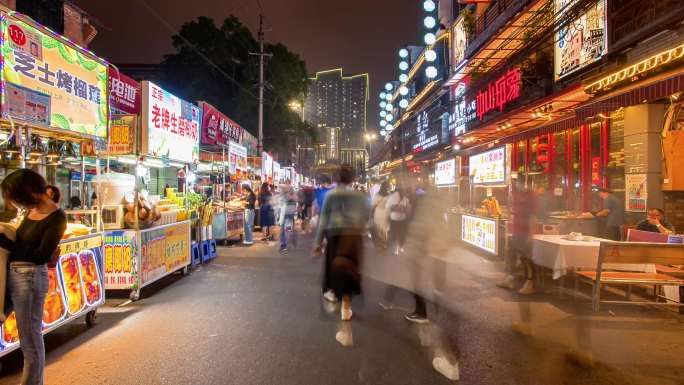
(196, 255)
(212, 248)
(206, 252)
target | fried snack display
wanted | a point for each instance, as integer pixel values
(10, 333)
(54, 309)
(91, 277)
(72, 283)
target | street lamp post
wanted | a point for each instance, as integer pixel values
(298, 107)
(370, 137)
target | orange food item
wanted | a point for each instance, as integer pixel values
(10, 333)
(72, 283)
(54, 309)
(91, 277)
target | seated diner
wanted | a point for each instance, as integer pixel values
(655, 222)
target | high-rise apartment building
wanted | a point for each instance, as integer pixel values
(337, 105)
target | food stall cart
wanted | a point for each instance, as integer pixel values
(56, 129)
(157, 240)
(485, 227)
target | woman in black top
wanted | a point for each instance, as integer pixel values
(250, 201)
(266, 210)
(35, 247)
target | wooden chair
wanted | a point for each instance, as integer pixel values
(634, 253)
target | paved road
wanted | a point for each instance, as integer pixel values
(253, 316)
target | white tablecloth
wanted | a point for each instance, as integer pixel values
(561, 255)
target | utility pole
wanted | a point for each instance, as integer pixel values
(261, 55)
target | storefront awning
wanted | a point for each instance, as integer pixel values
(659, 87)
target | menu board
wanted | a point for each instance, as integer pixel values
(445, 173)
(488, 167)
(479, 232)
(237, 155)
(266, 166)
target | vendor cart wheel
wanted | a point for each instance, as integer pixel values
(91, 318)
(135, 295)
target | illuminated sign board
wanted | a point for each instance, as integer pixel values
(445, 173)
(499, 93)
(488, 167)
(463, 111)
(583, 41)
(170, 125)
(54, 83)
(479, 232)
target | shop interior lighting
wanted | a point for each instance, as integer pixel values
(429, 38)
(11, 147)
(429, 5)
(36, 147)
(4, 137)
(54, 150)
(430, 55)
(403, 53)
(429, 22)
(431, 72)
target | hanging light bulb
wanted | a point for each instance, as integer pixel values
(429, 5)
(383, 113)
(431, 72)
(383, 104)
(403, 103)
(429, 22)
(403, 90)
(403, 65)
(389, 107)
(383, 123)
(430, 55)
(388, 97)
(382, 95)
(429, 38)
(403, 53)
(389, 86)
(403, 78)
(389, 128)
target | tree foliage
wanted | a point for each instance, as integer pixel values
(213, 63)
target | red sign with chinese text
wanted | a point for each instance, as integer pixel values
(218, 128)
(499, 92)
(124, 93)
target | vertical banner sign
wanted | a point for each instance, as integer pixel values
(266, 167)
(170, 125)
(164, 250)
(237, 158)
(122, 134)
(50, 82)
(124, 93)
(582, 41)
(120, 264)
(636, 196)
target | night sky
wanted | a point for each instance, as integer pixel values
(358, 35)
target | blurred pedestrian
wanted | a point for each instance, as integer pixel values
(380, 215)
(267, 216)
(613, 213)
(343, 220)
(399, 208)
(250, 203)
(520, 244)
(288, 210)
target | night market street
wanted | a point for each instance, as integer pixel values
(254, 316)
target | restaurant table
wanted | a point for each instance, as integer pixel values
(562, 255)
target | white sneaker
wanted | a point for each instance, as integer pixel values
(507, 283)
(330, 296)
(443, 367)
(346, 313)
(528, 288)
